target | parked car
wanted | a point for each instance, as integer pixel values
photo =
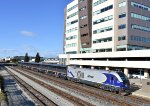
(137, 76)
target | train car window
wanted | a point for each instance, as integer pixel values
(112, 78)
(82, 75)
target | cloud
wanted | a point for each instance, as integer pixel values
(30, 49)
(51, 53)
(27, 33)
(8, 52)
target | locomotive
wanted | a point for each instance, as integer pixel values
(114, 81)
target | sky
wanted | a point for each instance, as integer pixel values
(31, 26)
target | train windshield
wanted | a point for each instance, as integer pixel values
(122, 76)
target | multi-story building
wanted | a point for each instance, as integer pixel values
(93, 26)
(104, 34)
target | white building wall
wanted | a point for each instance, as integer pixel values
(68, 27)
(122, 63)
(103, 25)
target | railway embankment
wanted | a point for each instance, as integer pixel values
(12, 94)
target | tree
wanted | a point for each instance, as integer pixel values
(14, 60)
(37, 58)
(26, 58)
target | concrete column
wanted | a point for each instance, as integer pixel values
(81, 66)
(92, 67)
(146, 73)
(126, 72)
(107, 68)
(68, 59)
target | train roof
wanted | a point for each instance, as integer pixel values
(43, 64)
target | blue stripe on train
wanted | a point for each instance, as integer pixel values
(71, 73)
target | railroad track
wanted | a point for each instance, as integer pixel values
(140, 100)
(76, 87)
(37, 97)
(115, 98)
(73, 99)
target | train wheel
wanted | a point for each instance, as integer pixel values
(112, 89)
(99, 86)
(104, 87)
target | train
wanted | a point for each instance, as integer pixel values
(114, 81)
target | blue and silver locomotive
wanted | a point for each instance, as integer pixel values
(107, 80)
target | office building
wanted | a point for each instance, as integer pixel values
(108, 34)
(94, 26)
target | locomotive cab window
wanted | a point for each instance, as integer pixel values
(112, 78)
(122, 76)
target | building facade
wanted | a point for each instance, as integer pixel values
(94, 26)
(108, 34)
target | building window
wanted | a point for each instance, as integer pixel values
(70, 45)
(141, 17)
(103, 10)
(83, 26)
(140, 6)
(135, 47)
(122, 26)
(103, 50)
(83, 35)
(122, 4)
(73, 52)
(83, 8)
(83, 17)
(142, 28)
(72, 15)
(120, 38)
(122, 15)
(84, 44)
(71, 30)
(103, 19)
(99, 2)
(72, 22)
(103, 30)
(72, 7)
(121, 49)
(102, 40)
(140, 39)
(81, 1)
(71, 37)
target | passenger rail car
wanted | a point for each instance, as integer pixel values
(52, 69)
(107, 80)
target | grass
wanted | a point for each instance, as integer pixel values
(2, 97)
(2, 94)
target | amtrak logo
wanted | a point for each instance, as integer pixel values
(90, 76)
(70, 73)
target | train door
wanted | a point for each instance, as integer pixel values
(80, 75)
(112, 80)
